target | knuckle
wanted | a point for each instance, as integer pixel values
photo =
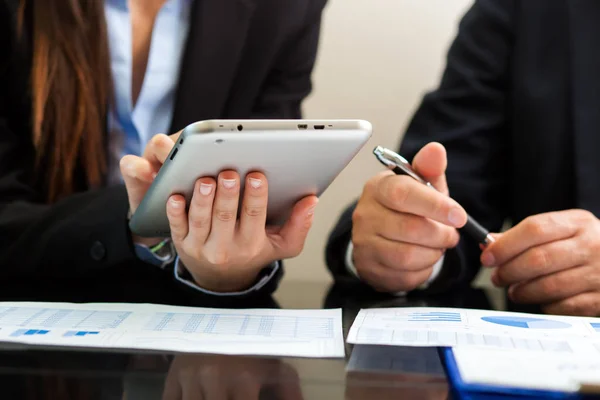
(539, 258)
(407, 256)
(401, 193)
(411, 227)
(254, 211)
(156, 140)
(371, 185)
(550, 285)
(590, 249)
(359, 216)
(573, 307)
(200, 221)
(534, 227)
(225, 215)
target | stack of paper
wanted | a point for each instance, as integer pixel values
(494, 348)
(301, 333)
(564, 372)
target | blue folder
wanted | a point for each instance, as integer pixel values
(469, 391)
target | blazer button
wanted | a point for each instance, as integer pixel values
(98, 251)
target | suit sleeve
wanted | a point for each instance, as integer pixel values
(289, 81)
(468, 114)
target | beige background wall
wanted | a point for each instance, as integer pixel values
(376, 59)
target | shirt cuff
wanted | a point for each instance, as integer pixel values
(437, 268)
(161, 258)
(180, 274)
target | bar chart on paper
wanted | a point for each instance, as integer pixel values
(61, 318)
(243, 324)
(526, 322)
(300, 333)
(442, 327)
(29, 332)
(432, 316)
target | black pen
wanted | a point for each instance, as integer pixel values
(400, 166)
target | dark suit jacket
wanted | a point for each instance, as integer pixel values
(518, 109)
(243, 59)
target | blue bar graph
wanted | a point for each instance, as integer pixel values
(526, 322)
(80, 333)
(435, 316)
(29, 332)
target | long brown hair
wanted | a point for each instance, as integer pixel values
(70, 89)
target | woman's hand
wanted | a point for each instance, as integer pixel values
(222, 252)
(139, 172)
(225, 253)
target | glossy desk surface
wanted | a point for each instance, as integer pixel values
(53, 374)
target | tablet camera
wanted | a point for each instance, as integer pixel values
(240, 128)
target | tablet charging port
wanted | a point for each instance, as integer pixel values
(319, 126)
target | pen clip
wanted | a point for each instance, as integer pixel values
(393, 160)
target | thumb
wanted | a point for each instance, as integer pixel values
(431, 162)
(138, 175)
(289, 241)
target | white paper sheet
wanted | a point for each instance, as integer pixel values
(564, 372)
(465, 327)
(300, 333)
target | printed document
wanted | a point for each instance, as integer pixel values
(273, 332)
(453, 327)
(558, 371)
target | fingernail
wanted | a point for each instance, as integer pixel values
(487, 259)
(455, 216)
(311, 210)
(175, 203)
(255, 183)
(205, 189)
(229, 183)
(130, 168)
(154, 174)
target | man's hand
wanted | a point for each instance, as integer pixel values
(550, 259)
(401, 227)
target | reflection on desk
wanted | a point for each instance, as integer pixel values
(48, 374)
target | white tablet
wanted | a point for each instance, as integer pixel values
(298, 158)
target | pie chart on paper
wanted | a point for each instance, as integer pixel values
(526, 322)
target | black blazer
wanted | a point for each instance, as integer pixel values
(243, 59)
(518, 109)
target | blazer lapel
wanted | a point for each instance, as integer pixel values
(585, 69)
(216, 38)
